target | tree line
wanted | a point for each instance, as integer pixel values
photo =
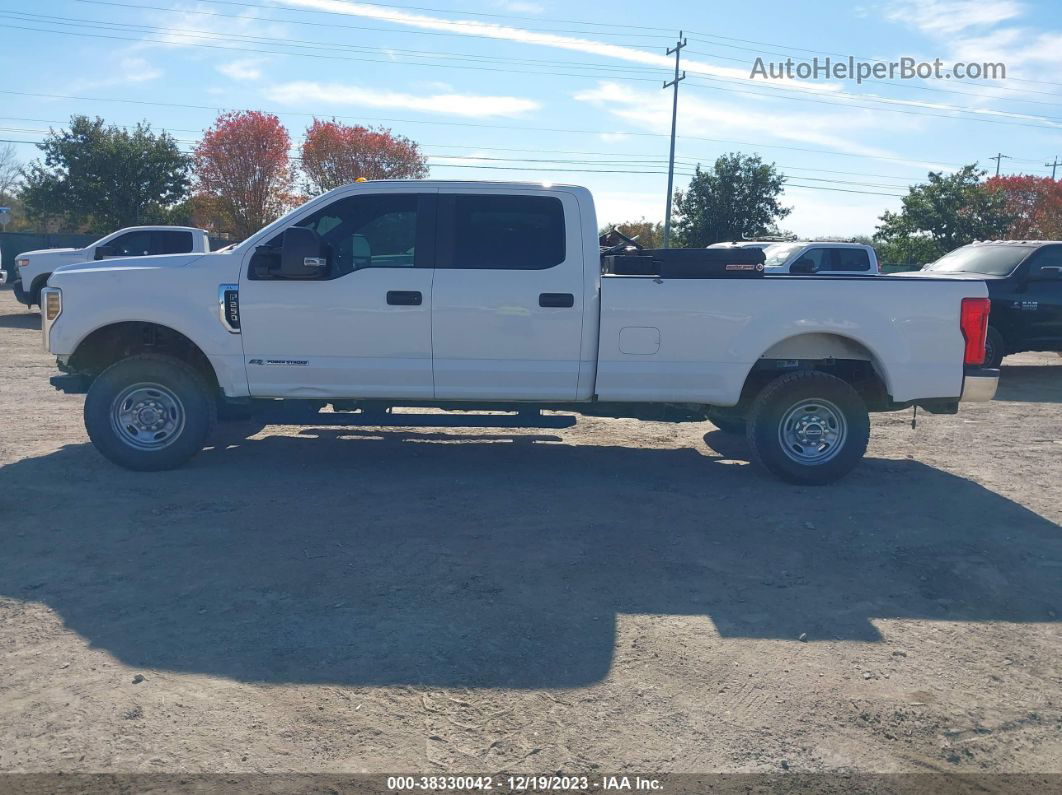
(96, 177)
(739, 198)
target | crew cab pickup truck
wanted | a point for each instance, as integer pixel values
(461, 295)
(32, 268)
(1024, 281)
(823, 259)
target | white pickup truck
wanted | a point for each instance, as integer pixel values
(466, 295)
(822, 258)
(32, 268)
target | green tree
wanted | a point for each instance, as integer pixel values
(101, 177)
(737, 200)
(650, 234)
(942, 214)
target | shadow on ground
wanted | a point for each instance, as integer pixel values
(381, 556)
(1040, 383)
(26, 321)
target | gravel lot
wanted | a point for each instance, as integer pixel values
(613, 596)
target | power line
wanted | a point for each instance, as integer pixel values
(688, 160)
(976, 116)
(787, 49)
(304, 44)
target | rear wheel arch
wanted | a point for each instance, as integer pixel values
(835, 354)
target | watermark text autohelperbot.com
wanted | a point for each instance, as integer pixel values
(852, 68)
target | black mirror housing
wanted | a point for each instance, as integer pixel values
(802, 266)
(102, 252)
(300, 254)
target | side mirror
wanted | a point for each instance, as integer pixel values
(102, 252)
(300, 254)
(802, 265)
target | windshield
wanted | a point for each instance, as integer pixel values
(778, 253)
(986, 260)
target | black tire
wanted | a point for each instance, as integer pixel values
(995, 348)
(35, 291)
(728, 423)
(832, 409)
(175, 384)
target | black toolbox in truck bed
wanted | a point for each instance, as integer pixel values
(687, 263)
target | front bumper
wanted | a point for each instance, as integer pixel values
(979, 384)
(71, 383)
(20, 292)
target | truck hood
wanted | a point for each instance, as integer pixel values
(127, 264)
(52, 251)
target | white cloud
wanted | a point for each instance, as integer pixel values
(519, 6)
(972, 31)
(943, 17)
(841, 130)
(469, 105)
(818, 214)
(130, 70)
(510, 33)
(243, 69)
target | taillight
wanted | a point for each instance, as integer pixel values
(973, 320)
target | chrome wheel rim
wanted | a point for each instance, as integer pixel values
(147, 416)
(812, 431)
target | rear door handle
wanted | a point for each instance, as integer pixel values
(404, 298)
(561, 300)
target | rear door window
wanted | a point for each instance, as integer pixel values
(850, 259)
(171, 241)
(501, 232)
(1047, 257)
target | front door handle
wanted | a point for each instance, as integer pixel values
(404, 298)
(560, 300)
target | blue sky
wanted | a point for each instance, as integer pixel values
(530, 89)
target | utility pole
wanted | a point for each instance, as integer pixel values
(677, 52)
(1054, 166)
(999, 158)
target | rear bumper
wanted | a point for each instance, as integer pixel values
(979, 384)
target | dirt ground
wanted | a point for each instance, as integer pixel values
(612, 596)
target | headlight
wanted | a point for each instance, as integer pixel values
(22, 261)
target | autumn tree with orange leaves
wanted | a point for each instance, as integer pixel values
(335, 154)
(1034, 203)
(243, 172)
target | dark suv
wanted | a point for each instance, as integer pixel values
(1024, 281)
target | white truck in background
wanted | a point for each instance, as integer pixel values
(32, 268)
(461, 295)
(823, 258)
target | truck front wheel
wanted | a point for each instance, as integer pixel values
(149, 412)
(809, 428)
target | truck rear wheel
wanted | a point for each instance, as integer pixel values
(149, 412)
(809, 428)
